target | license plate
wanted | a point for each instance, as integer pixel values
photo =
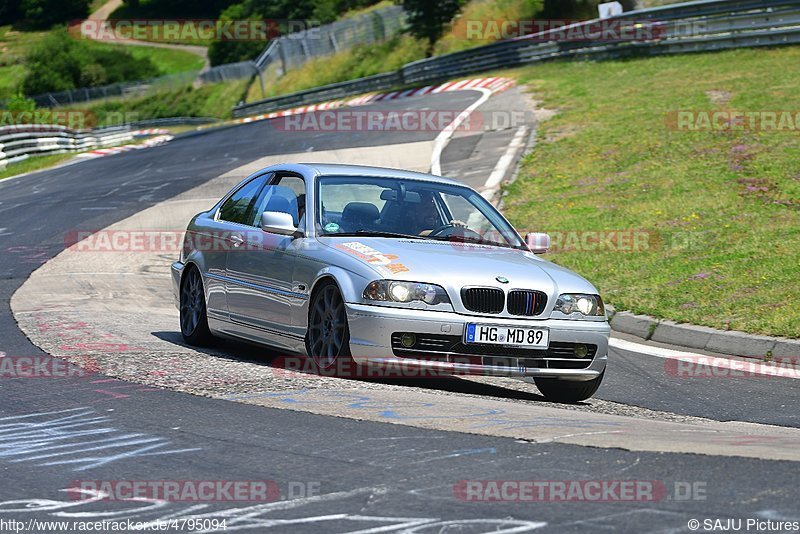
(488, 334)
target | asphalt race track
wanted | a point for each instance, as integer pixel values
(367, 470)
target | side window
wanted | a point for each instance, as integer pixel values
(286, 194)
(236, 208)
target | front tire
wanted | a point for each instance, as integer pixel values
(194, 319)
(328, 337)
(566, 391)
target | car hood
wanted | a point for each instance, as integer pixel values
(455, 265)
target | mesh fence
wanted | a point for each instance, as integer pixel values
(279, 56)
(292, 51)
(129, 89)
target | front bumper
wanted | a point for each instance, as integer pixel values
(371, 329)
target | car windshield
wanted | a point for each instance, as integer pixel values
(395, 207)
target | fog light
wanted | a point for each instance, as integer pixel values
(581, 351)
(408, 340)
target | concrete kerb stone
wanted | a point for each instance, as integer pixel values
(638, 325)
(732, 343)
(684, 335)
(741, 344)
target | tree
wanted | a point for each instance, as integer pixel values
(60, 63)
(9, 11)
(18, 103)
(277, 11)
(427, 19)
(43, 14)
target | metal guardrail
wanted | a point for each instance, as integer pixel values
(327, 92)
(172, 121)
(700, 26)
(20, 142)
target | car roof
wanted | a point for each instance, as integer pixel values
(339, 169)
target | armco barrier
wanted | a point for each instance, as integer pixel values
(20, 142)
(702, 26)
(172, 121)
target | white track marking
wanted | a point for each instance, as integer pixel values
(500, 170)
(445, 135)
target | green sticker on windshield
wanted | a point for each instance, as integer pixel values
(332, 227)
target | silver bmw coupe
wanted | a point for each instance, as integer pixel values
(342, 264)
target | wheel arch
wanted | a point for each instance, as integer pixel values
(187, 268)
(190, 265)
(348, 283)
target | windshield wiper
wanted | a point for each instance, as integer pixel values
(469, 239)
(369, 233)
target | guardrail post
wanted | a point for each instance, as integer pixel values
(260, 80)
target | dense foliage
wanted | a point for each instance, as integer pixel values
(427, 20)
(312, 12)
(60, 63)
(41, 14)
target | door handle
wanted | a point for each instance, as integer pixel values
(238, 241)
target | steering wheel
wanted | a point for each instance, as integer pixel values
(448, 230)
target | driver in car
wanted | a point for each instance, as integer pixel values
(426, 217)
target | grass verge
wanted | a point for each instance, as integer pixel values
(13, 47)
(210, 100)
(34, 163)
(722, 208)
(167, 60)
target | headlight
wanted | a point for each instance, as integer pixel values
(394, 291)
(589, 305)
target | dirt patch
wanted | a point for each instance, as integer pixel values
(719, 97)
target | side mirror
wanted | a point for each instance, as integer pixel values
(537, 242)
(278, 222)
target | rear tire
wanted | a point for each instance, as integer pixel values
(566, 391)
(194, 319)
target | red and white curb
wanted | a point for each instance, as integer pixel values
(150, 131)
(495, 85)
(100, 152)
